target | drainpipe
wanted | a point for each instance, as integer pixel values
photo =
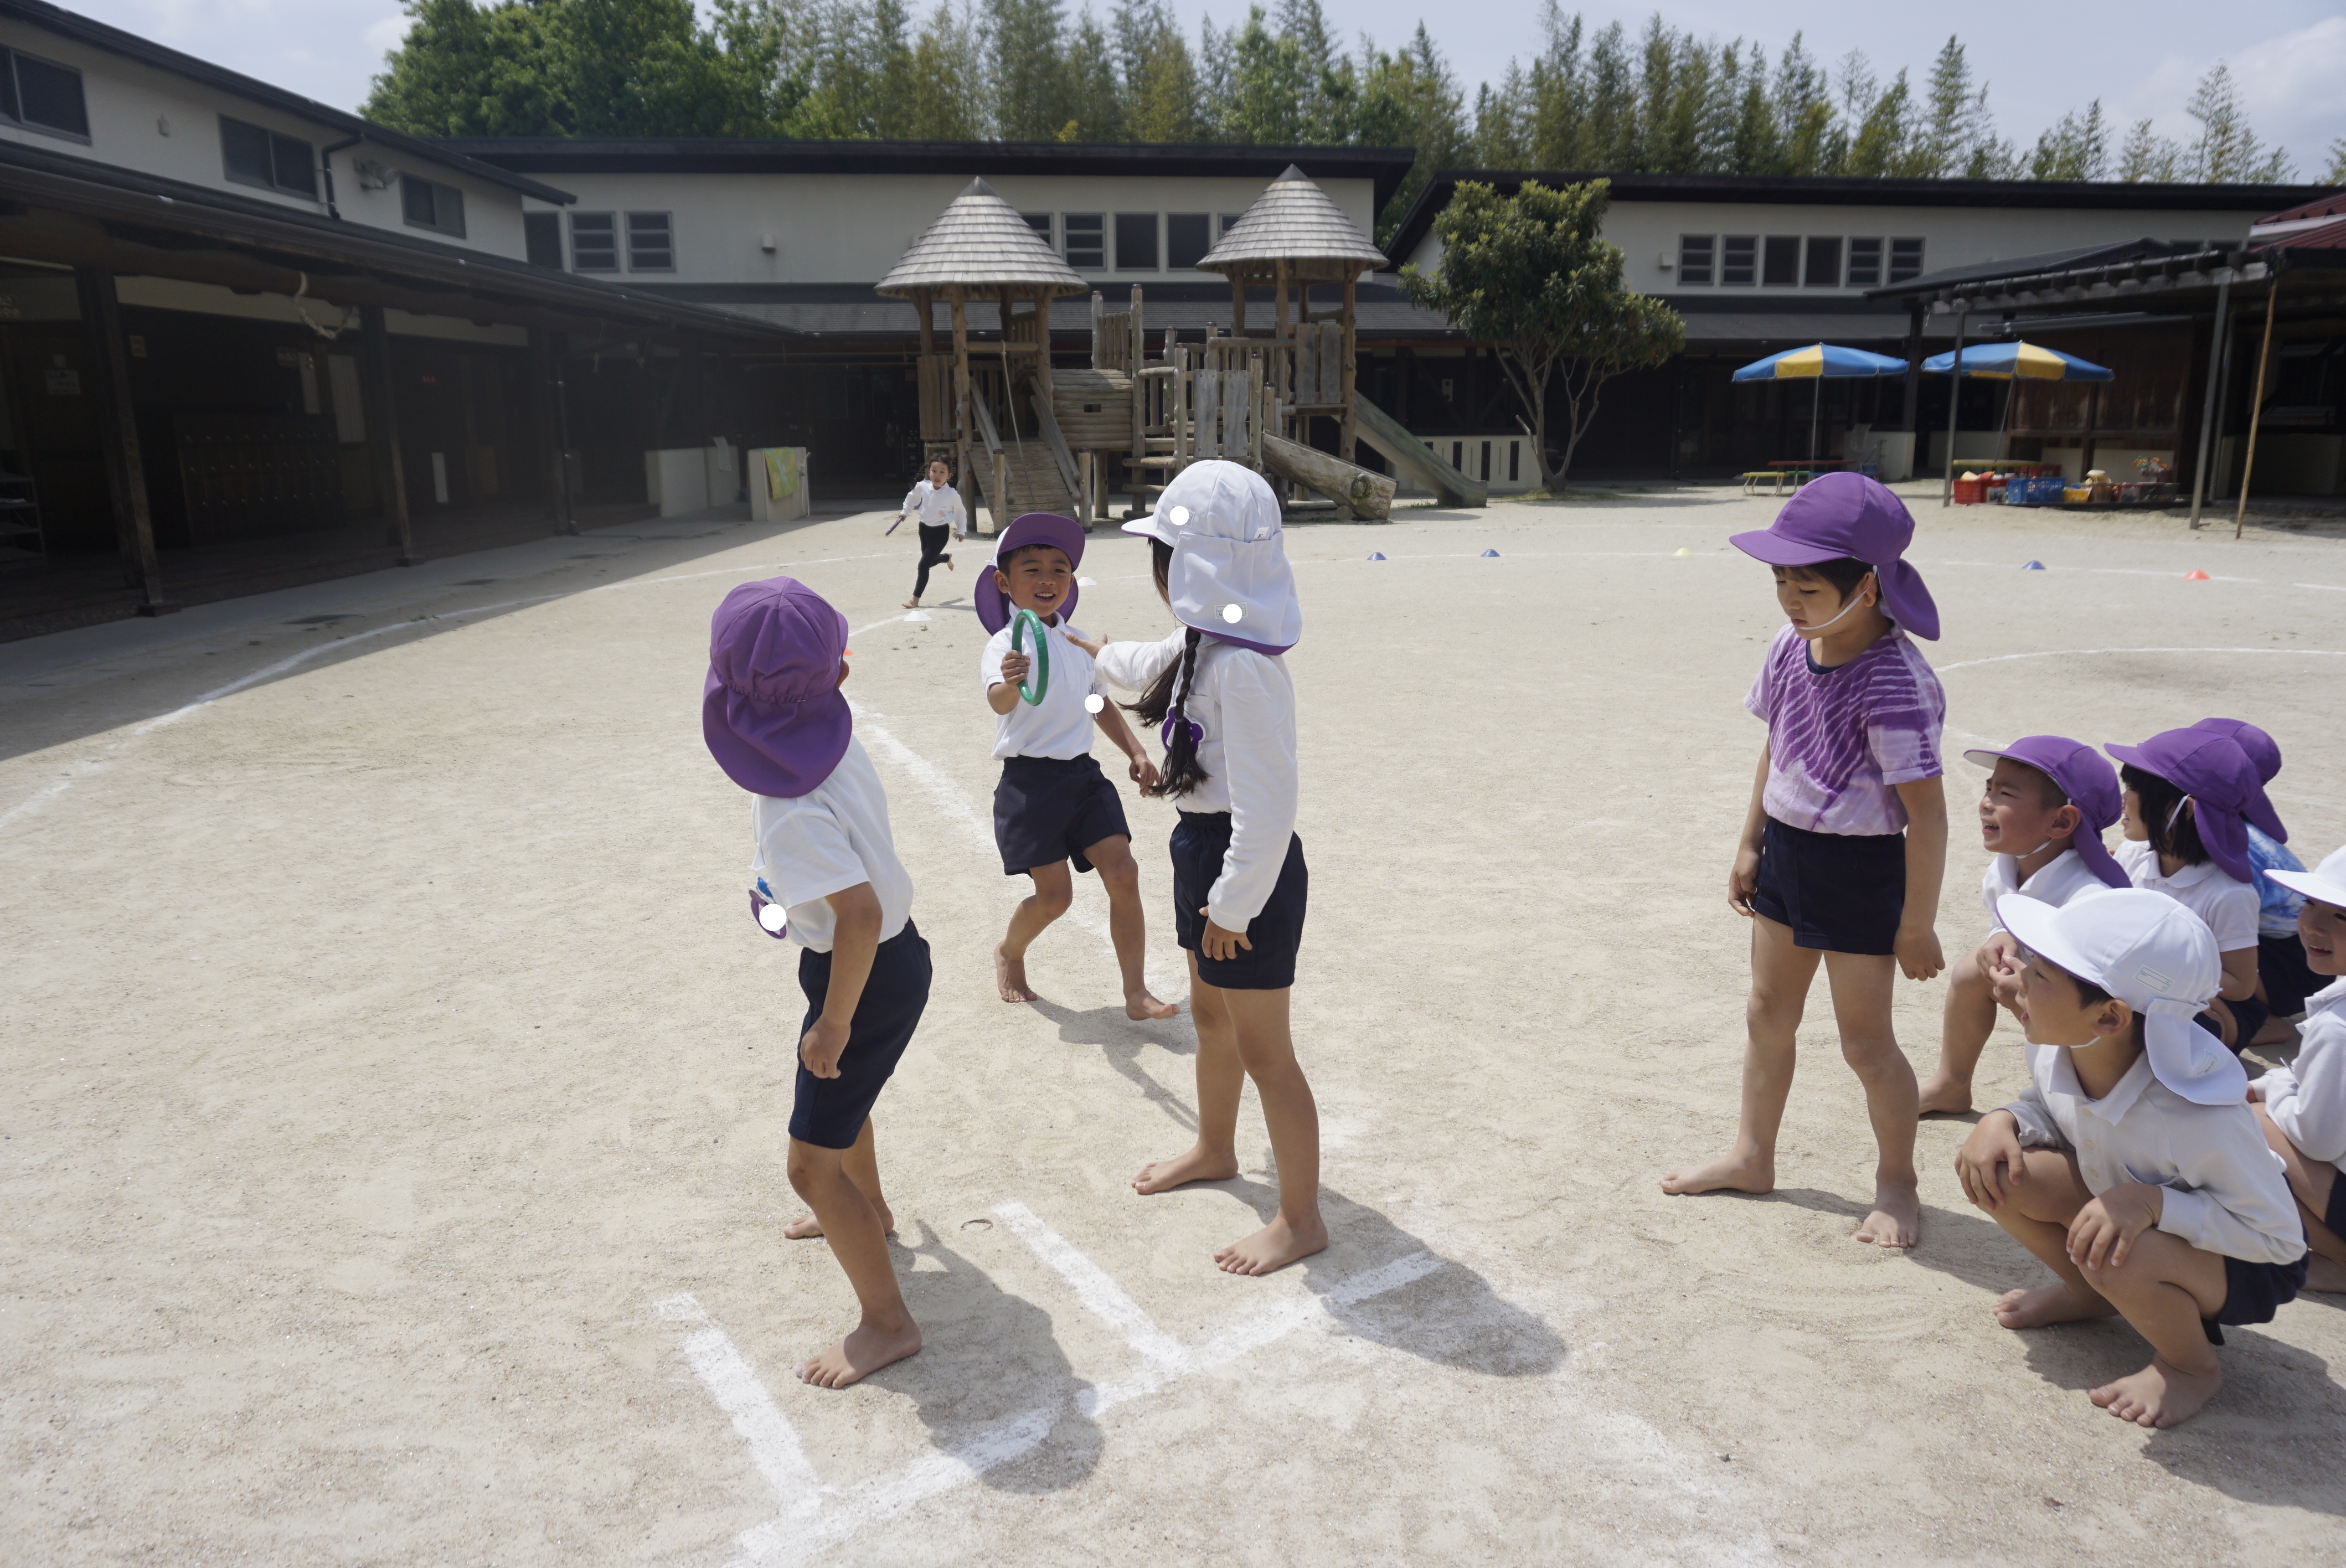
(326, 159)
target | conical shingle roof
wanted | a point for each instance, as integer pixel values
(1291, 221)
(980, 241)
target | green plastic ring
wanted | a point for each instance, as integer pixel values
(1039, 679)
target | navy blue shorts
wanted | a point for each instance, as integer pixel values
(2253, 1292)
(1843, 893)
(2289, 981)
(1052, 808)
(830, 1112)
(2249, 1015)
(2333, 1213)
(1200, 838)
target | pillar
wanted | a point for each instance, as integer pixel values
(117, 430)
(391, 479)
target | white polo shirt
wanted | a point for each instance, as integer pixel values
(2207, 890)
(1060, 725)
(2307, 1099)
(2064, 878)
(833, 837)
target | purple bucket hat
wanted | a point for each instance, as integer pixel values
(1847, 515)
(2263, 751)
(772, 711)
(2086, 777)
(1033, 528)
(2226, 794)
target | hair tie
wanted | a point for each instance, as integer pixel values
(1164, 731)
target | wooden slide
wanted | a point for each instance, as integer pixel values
(1414, 459)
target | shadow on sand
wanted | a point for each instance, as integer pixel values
(1120, 1042)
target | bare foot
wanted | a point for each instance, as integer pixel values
(1736, 1172)
(1197, 1165)
(1897, 1217)
(1274, 1246)
(2161, 1395)
(1010, 976)
(2048, 1304)
(911, 604)
(1944, 1096)
(861, 1354)
(1139, 1004)
(2324, 1273)
(806, 1226)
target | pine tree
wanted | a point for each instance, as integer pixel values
(2147, 157)
(1882, 143)
(2228, 151)
(2077, 147)
(948, 89)
(1161, 86)
(1029, 94)
(2336, 174)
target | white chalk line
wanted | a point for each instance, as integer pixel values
(94, 765)
(840, 1512)
(1101, 1295)
(2091, 653)
(773, 1443)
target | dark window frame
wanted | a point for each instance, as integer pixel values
(1202, 240)
(1738, 254)
(1040, 222)
(440, 198)
(277, 151)
(542, 240)
(665, 230)
(1865, 266)
(1156, 222)
(12, 96)
(1697, 253)
(605, 243)
(1092, 228)
(1905, 258)
(1780, 247)
(1824, 248)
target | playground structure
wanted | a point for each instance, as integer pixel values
(1033, 438)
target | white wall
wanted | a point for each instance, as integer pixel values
(852, 228)
(1647, 231)
(157, 123)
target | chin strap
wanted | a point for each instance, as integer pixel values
(1853, 603)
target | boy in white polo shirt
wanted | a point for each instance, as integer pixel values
(2303, 1105)
(2133, 1166)
(2047, 801)
(1052, 804)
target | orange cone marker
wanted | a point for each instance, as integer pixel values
(2195, 576)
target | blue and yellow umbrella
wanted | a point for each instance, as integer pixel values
(1816, 362)
(2015, 360)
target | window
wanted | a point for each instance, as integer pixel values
(593, 242)
(266, 159)
(1864, 263)
(1695, 251)
(44, 96)
(1086, 240)
(1185, 240)
(1738, 261)
(1905, 260)
(542, 233)
(1135, 242)
(1779, 261)
(1824, 267)
(651, 243)
(1224, 223)
(1040, 222)
(427, 204)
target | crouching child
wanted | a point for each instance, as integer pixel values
(2133, 1166)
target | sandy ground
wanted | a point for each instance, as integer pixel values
(397, 1086)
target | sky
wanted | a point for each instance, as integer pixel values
(2038, 60)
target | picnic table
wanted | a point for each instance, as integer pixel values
(1775, 476)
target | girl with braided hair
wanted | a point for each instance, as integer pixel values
(1221, 691)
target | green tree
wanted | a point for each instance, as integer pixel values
(1531, 276)
(2148, 158)
(464, 70)
(1409, 98)
(1161, 90)
(2228, 151)
(946, 98)
(2336, 175)
(2077, 146)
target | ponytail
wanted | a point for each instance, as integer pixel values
(1165, 702)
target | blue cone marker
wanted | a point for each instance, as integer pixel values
(1490, 555)
(1376, 554)
(2033, 567)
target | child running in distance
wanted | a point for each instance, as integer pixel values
(2302, 1106)
(825, 876)
(937, 504)
(2283, 980)
(1052, 804)
(1827, 866)
(2132, 1164)
(2048, 799)
(2190, 795)
(1222, 691)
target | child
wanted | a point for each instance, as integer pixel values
(2132, 1164)
(2302, 1106)
(2188, 795)
(1853, 717)
(825, 875)
(938, 506)
(1227, 704)
(1053, 805)
(2048, 798)
(2283, 980)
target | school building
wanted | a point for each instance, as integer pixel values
(248, 339)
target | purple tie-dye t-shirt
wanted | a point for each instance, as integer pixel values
(1839, 739)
